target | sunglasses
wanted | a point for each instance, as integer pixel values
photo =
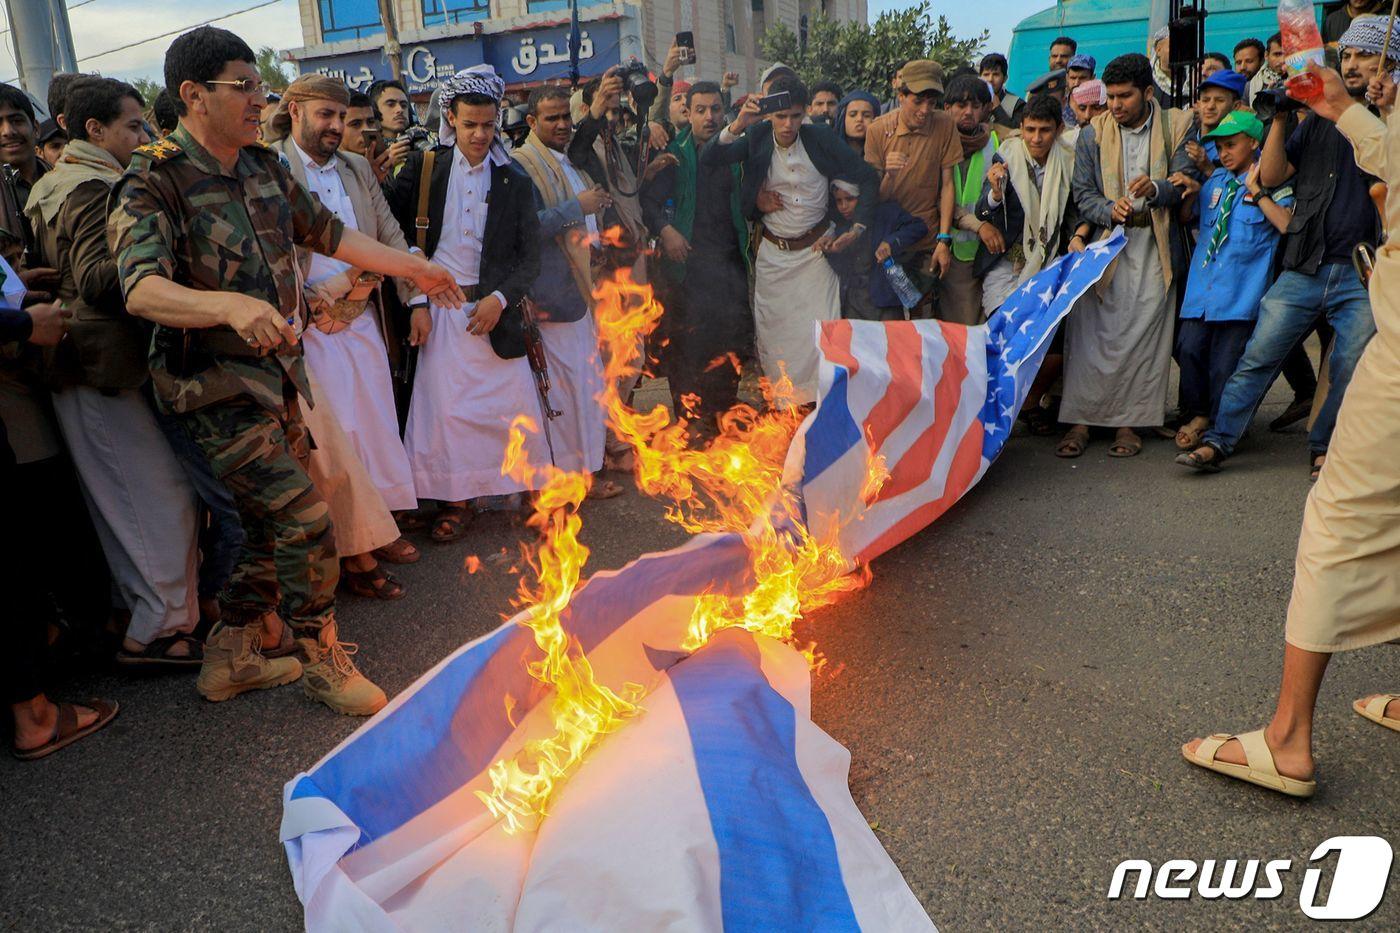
(253, 87)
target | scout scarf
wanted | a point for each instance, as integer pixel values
(1221, 231)
(683, 196)
(81, 162)
(1044, 207)
(1168, 129)
(545, 171)
(977, 146)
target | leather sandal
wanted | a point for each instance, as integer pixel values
(1260, 769)
(1373, 708)
(398, 551)
(157, 653)
(372, 584)
(66, 730)
(451, 523)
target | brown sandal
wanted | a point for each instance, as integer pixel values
(398, 551)
(1073, 444)
(1122, 449)
(451, 523)
(604, 489)
(66, 730)
(372, 584)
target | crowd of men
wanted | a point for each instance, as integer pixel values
(267, 339)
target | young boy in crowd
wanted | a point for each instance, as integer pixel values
(866, 292)
(1231, 269)
(1219, 94)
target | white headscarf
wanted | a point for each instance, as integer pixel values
(478, 79)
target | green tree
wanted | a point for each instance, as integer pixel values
(148, 89)
(271, 69)
(861, 55)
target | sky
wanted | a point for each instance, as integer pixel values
(100, 25)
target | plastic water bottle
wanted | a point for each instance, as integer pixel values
(1302, 43)
(904, 289)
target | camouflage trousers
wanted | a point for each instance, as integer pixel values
(288, 563)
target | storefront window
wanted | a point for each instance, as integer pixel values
(349, 19)
(441, 12)
(540, 6)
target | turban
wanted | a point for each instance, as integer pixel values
(1090, 92)
(277, 118)
(680, 87)
(846, 186)
(478, 79)
(1367, 34)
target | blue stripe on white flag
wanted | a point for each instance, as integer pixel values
(833, 430)
(452, 726)
(778, 863)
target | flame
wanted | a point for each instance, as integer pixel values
(472, 564)
(732, 484)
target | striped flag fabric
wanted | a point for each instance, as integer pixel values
(721, 805)
(933, 402)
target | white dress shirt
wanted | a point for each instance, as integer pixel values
(804, 190)
(464, 217)
(324, 182)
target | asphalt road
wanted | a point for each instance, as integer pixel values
(1013, 688)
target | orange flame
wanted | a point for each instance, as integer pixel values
(733, 484)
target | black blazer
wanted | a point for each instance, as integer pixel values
(1010, 218)
(830, 154)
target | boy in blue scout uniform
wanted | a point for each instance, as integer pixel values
(1231, 269)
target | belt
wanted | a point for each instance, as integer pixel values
(470, 292)
(1139, 219)
(223, 341)
(801, 242)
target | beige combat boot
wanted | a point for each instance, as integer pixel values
(331, 677)
(234, 664)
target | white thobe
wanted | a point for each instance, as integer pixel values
(352, 366)
(1118, 345)
(794, 290)
(464, 395)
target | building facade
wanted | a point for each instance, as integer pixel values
(527, 41)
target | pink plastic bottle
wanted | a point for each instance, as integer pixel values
(1302, 43)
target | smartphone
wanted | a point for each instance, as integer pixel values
(686, 41)
(772, 103)
(374, 144)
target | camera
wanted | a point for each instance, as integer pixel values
(1274, 100)
(636, 81)
(418, 137)
(513, 124)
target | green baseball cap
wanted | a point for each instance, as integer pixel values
(1239, 121)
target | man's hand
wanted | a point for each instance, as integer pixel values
(1381, 91)
(438, 284)
(1189, 186)
(1251, 181)
(895, 161)
(40, 283)
(257, 322)
(1122, 209)
(484, 316)
(674, 60)
(660, 139)
(941, 259)
(420, 324)
(1076, 244)
(608, 94)
(674, 245)
(997, 176)
(823, 244)
(730, 79)
(991, 238)
(381, 165)
(768, 200)
(595, 200)
(1334, 98)
(1197, 152)
(1142, 187)
(843, 242)
(883, 252)
(49, 323)
(748, 116)
(399, 151)
(662, 161)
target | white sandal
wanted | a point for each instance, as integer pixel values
(1260, 769)
(1374, 709)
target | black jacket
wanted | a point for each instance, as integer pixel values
(510, 249)
(829, 154)
(510, 244)
(1010, 218)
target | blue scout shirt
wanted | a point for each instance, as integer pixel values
(1228, 288)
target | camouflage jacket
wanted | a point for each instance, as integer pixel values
(176, 213)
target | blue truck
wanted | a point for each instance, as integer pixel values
(1108, 28)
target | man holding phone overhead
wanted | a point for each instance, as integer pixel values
(915, 147)
(794, 163)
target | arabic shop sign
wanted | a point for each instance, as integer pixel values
(519, 57)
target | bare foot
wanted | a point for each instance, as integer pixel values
(1293, 759)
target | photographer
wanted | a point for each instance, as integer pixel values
(597, 150)
(398, 123)
(1334, 213)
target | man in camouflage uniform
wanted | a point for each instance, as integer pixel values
(204, 227)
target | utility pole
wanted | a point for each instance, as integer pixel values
(391, 39)
(65, 58)
(31, 24)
